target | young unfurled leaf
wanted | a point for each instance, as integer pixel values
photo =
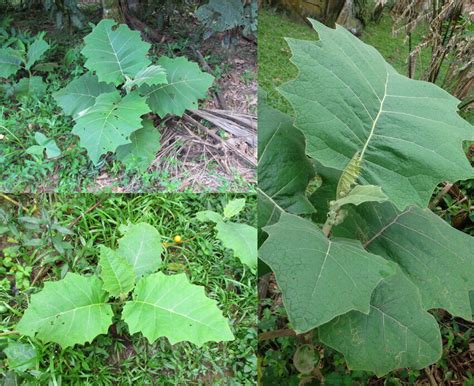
(360, 194)
(348, 99)
(68, 312)
(81, 94)
(36, 51)
(171, 307)
(141, 246)
(209, 215)
(151, 75)
(110, 122)
(319, 278)
(115, 53)
(397, 332)
(142, 151)
(44, 144)
(186, 85)
(116, 272)
(242, 239)
(234, 207)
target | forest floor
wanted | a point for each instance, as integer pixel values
(45, 236)
(456, 367)
(196, 154)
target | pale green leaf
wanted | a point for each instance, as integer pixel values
(186, 85)
(116, 53)
(396, 333)
(68, 312)
(319, 278)
(347, 99)
(10, 62)
(81, 93)
(437, 258)
(142, 151)
(234, 207)
(242, 239)
(36, 51)
(47, 144)
(30, 87)
(21, 357)
(362, 193)
(171, 307)
(151, 75)
(109, 123)
(141, 246)
(116, 272)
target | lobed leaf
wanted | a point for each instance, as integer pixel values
(36, 51)
(109, 123)
(320, 279)
(186, 85)
(115, 52)
(171, 307)
(68, 312)
(116, 273)
(348, 99)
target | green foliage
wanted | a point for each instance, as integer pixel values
(21, 356)
(218, 16)
(109, 102)
(75, 310)
(387, 261)
(241, 238)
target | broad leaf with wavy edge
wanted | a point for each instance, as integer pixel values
(347, 99)
(186, 85)
(142, 151)
(68, 312)
(141, 246)
(36, 51)
(116, 272)
(10, 62)
(320, 279)
(110, 122)
(81, 93)
(171, 307)
(115, 52)
(396, 333)
(437, 258)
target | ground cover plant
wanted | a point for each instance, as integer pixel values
(63, 250)
(162, 149)
(361, 263)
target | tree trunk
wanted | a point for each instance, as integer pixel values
(112, 10)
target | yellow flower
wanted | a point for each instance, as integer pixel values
(177, 239)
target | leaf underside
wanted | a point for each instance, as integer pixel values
(171, 307)
(319, 278)
(347, 99)
(68, 312)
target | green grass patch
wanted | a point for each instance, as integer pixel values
(34, 256)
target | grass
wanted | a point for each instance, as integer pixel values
(119, 358)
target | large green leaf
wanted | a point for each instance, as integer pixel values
(142, 151)
(116, 272)
(141, 246)
(347, 99)
(114, 53)
(242, 239)
(319, 278)
(110, 122)
(437, 258)
(396, 333)
(68, 312)
(151, 75)
(36, 51)
(30, 87)
(10, 62)
(81, 94)
(284, 170)
(170, 306)
(186, 85)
